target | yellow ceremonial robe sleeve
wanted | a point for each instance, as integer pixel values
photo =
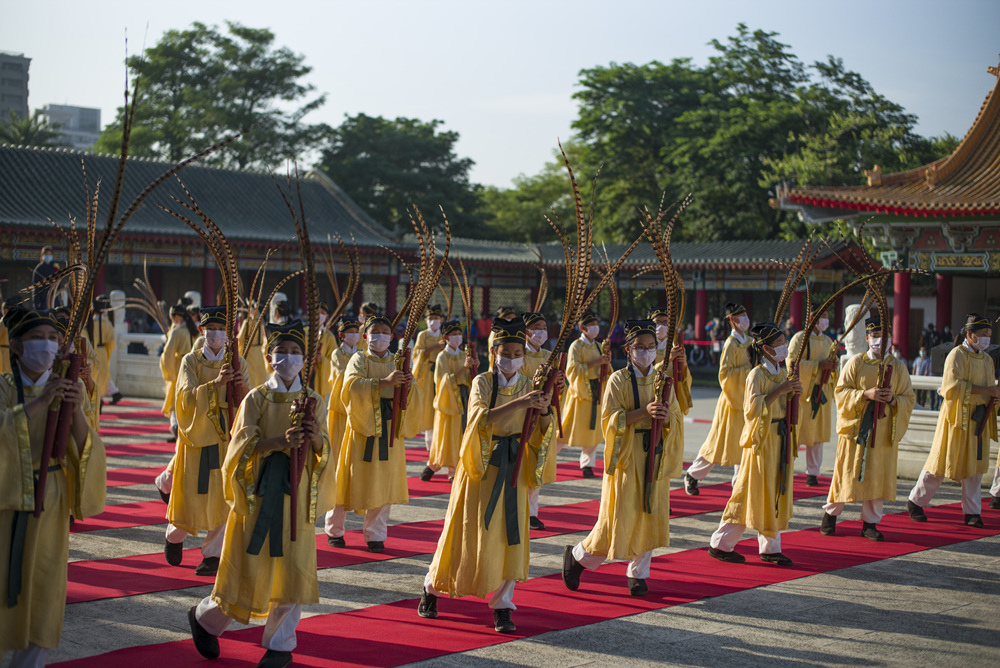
(177, 346)
(624, 529)
(579, 395)
(755, 501)
(954, 452)
(202, 422)
(471, 558)
(813, 430)
(452, 379)
(255, 373)
(104, 345)
(420, 403)
(532, 362)
(722, 445)
(878, 463)
(327, 344)
(78, 482)
(337, 421)
(247, 583)
(362, 484)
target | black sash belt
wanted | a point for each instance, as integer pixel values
(782, 426)
(19, 532)
(272, 486)
(647, 503)
(209, 462)
(385, 408)
(463, 393)
(503, 457)
(818, 399)
(595, 400)
(867, 423)
(978, 416)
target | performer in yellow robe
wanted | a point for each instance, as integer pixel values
(336, 424)
(280, 314)
(534, 356)
(327, 344)
(34, 550)
(634, 518)
(420, 404)
(453, 378)
(675, 356)
(958, 452)
(371, 471)
(263, 573)
(7, 305)
(102, 336)
(582, 401)
(722, 446)
(484, 546)
(256, 371)
(180, 339)
(865, 472)
(762, 494)
(503, 313)
(815, 417)
(197, 502)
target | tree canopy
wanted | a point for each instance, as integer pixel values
(32, 130)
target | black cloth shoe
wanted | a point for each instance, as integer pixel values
(173, 435)
(733, 557)
(777, 558)
(427, 474)
(502, 621)
(336, 541)
(637, 587)
(174, 552)
(208, 566)
(691, 485)
(588, 471)
(572, 569)
(164, 496)
(812, 481)
(871, 532)
(828, 527)
(975, 521)
(115, 398)
(206, 644)
(428, 608)
(536, 523)
(995, 503)
(376, 546)
(916, 512)
(274, 659)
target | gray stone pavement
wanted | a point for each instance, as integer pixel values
(938, 607)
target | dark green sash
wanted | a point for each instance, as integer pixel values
(209, 462)
(978, 416)
(272, 486)
(385, 409)
(595, 400)
(782, 426)
(19, 533)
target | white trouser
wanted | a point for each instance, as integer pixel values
(533, 495)
(428, 438)
(165, 481)
(502, 599)
(701, 467)
(927, 486)
(112, 388)
(587, 457)
(451, 471)
(375, 527)
(638, 567)
(995, 487)
(871, 510)
(279, 630)
(814, 458)
(727, 535)
(32, 657)
(210, 547)
(173, 419)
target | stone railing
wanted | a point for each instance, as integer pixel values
(136, 365)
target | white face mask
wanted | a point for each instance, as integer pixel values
(38, 354)
(823, 324)
(351, 338)
(982, 343)
(643, 358)
(379, 343)
(661, 332)
(215, 338)
(322, 319)
(592, 331)
(46, 258)
(434, 325)
(742, 323)
(455, 340)
(538, 337)
(780, 353)
(286, 366)
(875, 345)
(509, 365)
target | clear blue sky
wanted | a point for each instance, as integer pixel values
(502, 73)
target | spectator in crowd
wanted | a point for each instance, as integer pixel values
(789, 329)
(895, 352)
(922, 367)
(43, 270)
(930, 338)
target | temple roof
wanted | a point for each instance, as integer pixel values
(961, 185)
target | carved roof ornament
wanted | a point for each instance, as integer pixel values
(874, 176)
(995, 71)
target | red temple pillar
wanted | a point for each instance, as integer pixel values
(901, 313)
(838, 312)
(391, 285)
(208, 285)
(943, 292)
(796, 310)
(99, 282)
(700, 313)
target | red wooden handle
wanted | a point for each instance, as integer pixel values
(531, 417)
(656, 430)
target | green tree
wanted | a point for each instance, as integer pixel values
(199, 85)
(386, 166)
(32, 130)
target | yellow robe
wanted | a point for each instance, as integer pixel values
(471, 558)
(578, 395)
(860, 374)
(684, 390)
(78, 485)
(452, 379)
(177, 346)
(93, 407)
(623, 529)
(365, 485)
(814, 430)
(202, 421)
(722, 446)
(753, 502)
(253, 352)
(954, 450)
(681, 395)
(247, 584)
(420, 403)
(337, 412)
(104, 344)
(327, 344)
(4, 349)
(532, 361)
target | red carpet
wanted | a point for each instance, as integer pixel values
(139, 449)
(393, 634)
(138, 475)
(107, 414)
(145, 429)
